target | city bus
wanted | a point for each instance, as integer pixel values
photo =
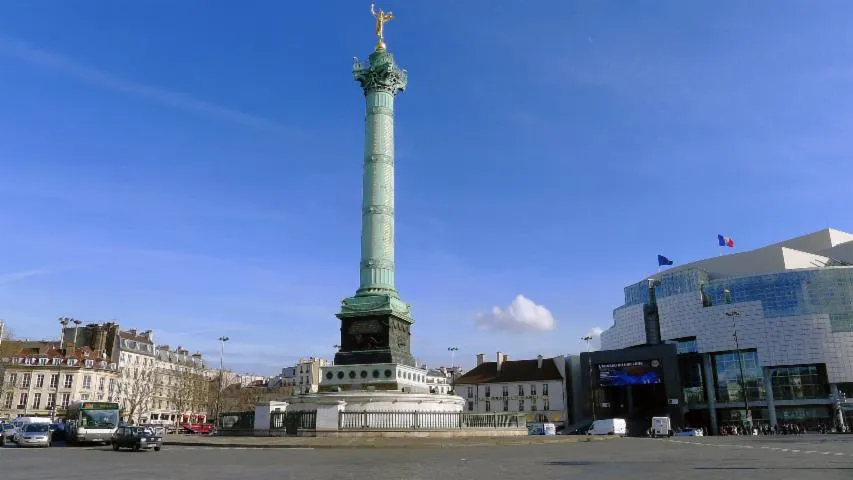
(91, 421)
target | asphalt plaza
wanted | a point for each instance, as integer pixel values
(797, 457)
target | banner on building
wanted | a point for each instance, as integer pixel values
(619, 374)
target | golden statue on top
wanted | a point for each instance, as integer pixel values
(381, 18)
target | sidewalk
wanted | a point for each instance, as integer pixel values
(368, 442)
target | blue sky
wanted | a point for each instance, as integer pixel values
(194, 167)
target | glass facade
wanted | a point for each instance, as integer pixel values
(808, 415)
(692, 378)
(799, 383)
(801, 292)
(727, 373)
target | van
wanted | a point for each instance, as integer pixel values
(661, 427)
(610, 426)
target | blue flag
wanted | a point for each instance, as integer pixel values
(663, 261)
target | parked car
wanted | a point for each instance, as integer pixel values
(689, 432)
(34, 435)
(7, 431)
(136, 438)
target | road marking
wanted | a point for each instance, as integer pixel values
(810, 451)
(839, 454)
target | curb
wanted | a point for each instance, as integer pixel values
(363, 445)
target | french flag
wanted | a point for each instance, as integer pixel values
(726, 241)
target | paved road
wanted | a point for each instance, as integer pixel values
(807, 457)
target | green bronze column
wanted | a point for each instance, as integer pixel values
(375, 322)
(381, 81)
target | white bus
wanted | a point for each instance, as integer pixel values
(91, 421)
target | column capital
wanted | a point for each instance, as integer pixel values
(380, 74)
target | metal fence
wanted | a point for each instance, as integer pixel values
(430, 421)
(292, 422)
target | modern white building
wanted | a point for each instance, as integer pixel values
(534, 387)
(782, 314)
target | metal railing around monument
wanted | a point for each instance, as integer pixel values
(430, 421)
(292, 422)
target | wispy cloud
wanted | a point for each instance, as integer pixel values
(15, 276)
(66, 66)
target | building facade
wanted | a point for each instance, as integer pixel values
(534, 387)
(768, 332)
(307, 373)
(180, 387)
(439, 380)
(40, 379)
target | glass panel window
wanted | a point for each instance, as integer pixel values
(54, 380)
(10, 398)
(545, 389)
(506, 405)
(488, 391)
(505, 391)
(40, 380)
(521, 390)
(488, 406)
(546, 404)
(51, 400)
(87, 381)
(66, 399)
(470, 391)
(799, 382)
(22, 401)
(101, 383)
(37, 401)
(521, 405)
(69, 379)
(533, 389)
(730, 382)
(470, 406)
(13, 379)
(25, 380)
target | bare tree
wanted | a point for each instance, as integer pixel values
(136, 388)
(8, 347)
(188, 392)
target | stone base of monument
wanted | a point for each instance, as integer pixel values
(385, 414)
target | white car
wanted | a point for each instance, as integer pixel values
(34, 435)
(689, 432)
(7, 431)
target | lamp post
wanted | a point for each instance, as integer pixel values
(588, 340)
(733, 315)
(452, 351)
(63, 323)
(222, 341)
(839, 400)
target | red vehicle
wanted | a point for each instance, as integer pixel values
(197, 428)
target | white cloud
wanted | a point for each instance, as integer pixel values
(522, 315)
(99, 78)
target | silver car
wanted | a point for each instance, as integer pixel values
(34, 435)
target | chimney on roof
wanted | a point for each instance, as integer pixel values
(500, 360)
(506, 357)
(481, 358)
(539, 361)
(132, 332)
(147, 334)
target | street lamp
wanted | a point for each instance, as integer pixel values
(733, 315)
(840, 399)
(63, 324)
(452, 351)
(588, 340)
(222, 341)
